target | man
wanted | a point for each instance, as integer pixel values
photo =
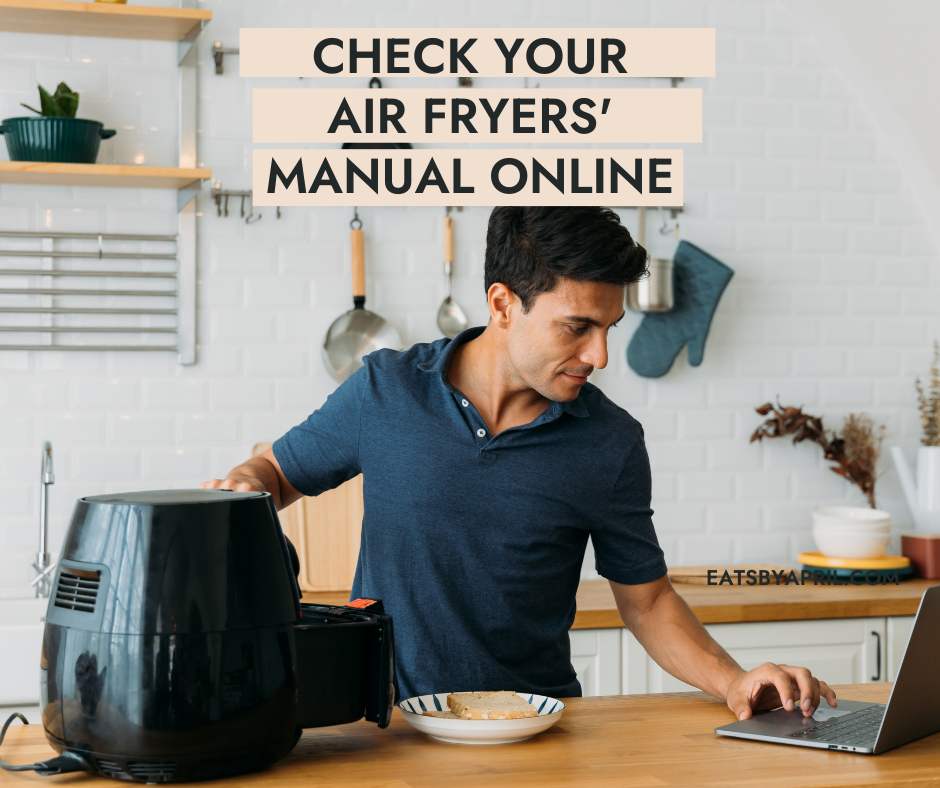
(488, 460)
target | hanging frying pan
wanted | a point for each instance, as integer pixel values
(358, 331)
(375, 82)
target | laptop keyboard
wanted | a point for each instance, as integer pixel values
(857, 729)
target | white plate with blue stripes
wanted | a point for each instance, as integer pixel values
(457, 731)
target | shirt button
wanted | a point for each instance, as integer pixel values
(481, 433)
(464, 402)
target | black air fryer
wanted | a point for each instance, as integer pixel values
(176, 648)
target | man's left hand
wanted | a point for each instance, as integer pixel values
(769, 686)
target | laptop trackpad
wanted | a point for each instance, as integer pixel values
(781, 722)
(825, 712)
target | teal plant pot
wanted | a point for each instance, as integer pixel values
(54, 139)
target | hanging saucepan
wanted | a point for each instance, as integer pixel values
(358, 331)
(375, 82)
(654, 292)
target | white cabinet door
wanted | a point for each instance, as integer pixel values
(21, 639)
(899, 633)
(848, 650)
(595, 655)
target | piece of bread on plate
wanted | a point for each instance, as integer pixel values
(500, 705)
(448, 715)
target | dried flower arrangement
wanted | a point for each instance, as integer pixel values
(855, 451)
(928, 402)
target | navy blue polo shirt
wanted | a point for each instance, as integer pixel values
(474, 542)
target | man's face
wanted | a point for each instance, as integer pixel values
(563, 337)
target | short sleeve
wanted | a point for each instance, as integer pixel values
(626, 549)
(322, 451)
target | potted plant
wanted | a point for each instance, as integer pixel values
(56, 135)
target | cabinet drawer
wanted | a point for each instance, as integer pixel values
(595, 655)
(898, 635)
(837, 650)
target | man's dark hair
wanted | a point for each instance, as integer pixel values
(528, 249)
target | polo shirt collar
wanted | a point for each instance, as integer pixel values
(575, 407)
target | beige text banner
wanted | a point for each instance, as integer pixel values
(470, 115)
(482, 52)
(622, 177)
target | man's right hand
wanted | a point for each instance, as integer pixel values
(261, 473)
(236, 482)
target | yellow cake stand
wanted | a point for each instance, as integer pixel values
(815, 558)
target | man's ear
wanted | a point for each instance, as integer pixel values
(503, 304)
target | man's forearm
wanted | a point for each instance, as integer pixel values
(677, 641)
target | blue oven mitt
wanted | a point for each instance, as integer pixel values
(698, 281)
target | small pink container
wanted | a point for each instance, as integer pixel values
(924, 552)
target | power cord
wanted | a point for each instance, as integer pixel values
(66, 762)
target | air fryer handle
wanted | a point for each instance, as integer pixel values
(380, 689)
(294, 563)
(292, 555)
(291, 558)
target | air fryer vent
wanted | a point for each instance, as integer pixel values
(110, 769)
(77, 590)
(144, 771)
(152, 771)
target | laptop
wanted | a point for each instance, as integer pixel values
(912, 711)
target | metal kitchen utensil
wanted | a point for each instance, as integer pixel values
(220, 195)
(654, 292)
(358, 331)
(451, 319)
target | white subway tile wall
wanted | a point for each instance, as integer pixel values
(833, 304)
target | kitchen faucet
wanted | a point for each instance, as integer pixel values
(43, 563)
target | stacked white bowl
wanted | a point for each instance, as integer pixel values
(851, 531)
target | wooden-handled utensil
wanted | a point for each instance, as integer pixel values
(451, 319)
(357, 332)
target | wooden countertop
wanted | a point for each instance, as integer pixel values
(720, 604)
(629, 740)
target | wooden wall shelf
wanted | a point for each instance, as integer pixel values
(61, 17)
(114, 175)
(181, 26)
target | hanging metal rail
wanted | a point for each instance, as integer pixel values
(40, 290)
